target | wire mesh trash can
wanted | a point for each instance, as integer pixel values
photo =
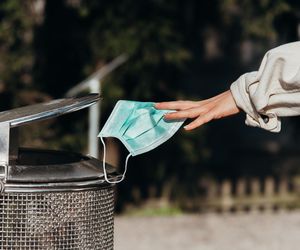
(52, 199)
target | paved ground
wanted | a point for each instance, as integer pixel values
(261, 231)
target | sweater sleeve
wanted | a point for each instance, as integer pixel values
(273, 91)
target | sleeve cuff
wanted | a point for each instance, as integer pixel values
(273, 124)
(253, 117)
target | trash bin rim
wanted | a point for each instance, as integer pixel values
(80, 169)
(55, 187)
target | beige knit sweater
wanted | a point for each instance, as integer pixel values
(273, 90)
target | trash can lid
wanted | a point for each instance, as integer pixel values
(42, 165)
(37, 112)
(42, 170)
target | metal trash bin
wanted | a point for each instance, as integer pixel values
(52, 199)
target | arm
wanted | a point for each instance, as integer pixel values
(272, 91)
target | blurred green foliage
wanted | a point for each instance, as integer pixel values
(177, 49)
(256, 17)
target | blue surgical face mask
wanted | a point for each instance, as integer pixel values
(139, 126)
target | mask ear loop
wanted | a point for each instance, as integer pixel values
(104, 165)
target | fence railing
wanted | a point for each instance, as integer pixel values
(250, 194)
(240, 195)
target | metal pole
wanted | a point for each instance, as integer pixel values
(94, 120)
(93, 83)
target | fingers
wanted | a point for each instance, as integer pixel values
(203, 115)
(203, 111)
(199, 121)
(176, 105)
(182, 105)
(188, 113)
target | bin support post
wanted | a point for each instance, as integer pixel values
(9, 143)
(4, 143)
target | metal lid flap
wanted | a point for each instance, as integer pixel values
(37, 112)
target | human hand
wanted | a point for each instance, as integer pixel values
(202, 112)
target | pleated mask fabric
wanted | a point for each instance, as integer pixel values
(139, 126)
